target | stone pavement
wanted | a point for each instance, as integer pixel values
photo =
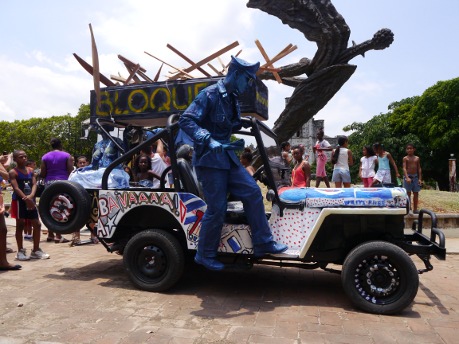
(82, 295)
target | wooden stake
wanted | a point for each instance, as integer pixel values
(118, 78)
(130, 69)
(222, 64)
(132, 74)
(215, 69)
(280, 55)
(143, 75)
(95, 63)
(266, 57)
(159, 71)
(209, 58)
(188, 60)
(178, 69)
(103, 79)
(132, 64)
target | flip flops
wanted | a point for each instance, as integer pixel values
(94, 240)
(61, 240)
(11, 267)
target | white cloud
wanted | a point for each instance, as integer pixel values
(6, 111)
(37, 91)
(40, 77)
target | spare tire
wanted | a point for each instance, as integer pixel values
(64, 207)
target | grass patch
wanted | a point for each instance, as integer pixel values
(439, 201)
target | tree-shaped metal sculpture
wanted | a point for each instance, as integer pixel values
(328, 70)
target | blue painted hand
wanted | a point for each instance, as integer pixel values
(215, 146)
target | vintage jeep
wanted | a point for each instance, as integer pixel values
(157, 230)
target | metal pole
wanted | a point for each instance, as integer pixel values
(452, 174)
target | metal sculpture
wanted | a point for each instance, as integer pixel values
(328, 70)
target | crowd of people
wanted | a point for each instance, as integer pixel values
(374, 169)
(17, 171)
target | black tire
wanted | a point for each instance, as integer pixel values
(379, 277)
(154, 260)
(64, 207)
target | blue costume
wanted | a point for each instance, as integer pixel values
(103, 154)
(209, 121)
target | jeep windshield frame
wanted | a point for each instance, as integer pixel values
(263, 161)
(252, 127)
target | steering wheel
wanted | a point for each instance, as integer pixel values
(258, 172)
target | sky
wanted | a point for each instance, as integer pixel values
(39, 77)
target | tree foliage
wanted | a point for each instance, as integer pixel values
(429, 121)
(33, 135)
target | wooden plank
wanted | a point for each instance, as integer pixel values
(191, 62)
(143, 75)
(95, 64)
(224, 70)
(210, 58)
(132, 74)
(103, 79)
(118, 78)
(215, 69)
(176, 68)
(132, 64)
(130, 69)
(159, 71)
(266, 57)
(287, 48)
(279, 56)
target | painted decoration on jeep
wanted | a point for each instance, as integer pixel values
(348, 197)
(194, 208)
(236, 238)
(294, 227)
(188, 209)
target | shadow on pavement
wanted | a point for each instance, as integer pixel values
(237, 293)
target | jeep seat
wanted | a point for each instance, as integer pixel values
(188, 177)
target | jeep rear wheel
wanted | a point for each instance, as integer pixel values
(64, 207)
(380, 278)
(154, 260)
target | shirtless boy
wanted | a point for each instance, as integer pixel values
(412, 175)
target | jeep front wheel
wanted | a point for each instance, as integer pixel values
(379, 277)
(154, 260)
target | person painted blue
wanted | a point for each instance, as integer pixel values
(104, 153)
(209, 121)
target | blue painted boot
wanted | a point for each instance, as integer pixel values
(271, 247)
(209, 263)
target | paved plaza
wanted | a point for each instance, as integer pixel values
(82, 295)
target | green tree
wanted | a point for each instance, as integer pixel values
(429, 121)
(434, 119)
(33, 135)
